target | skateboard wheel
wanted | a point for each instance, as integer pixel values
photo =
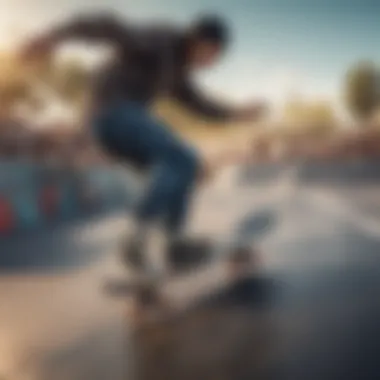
(148, 307)
(242, 255)
(242, 259)
(148, 296)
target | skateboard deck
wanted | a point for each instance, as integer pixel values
(222, 263)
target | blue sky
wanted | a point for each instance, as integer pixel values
(280, 46)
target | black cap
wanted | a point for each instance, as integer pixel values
(211, 28)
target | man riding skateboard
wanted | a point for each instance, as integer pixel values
(150, 62)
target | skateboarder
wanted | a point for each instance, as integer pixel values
(150, 61)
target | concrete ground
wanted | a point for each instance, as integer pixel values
(321, 255)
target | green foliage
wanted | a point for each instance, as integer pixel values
(26, 84)
(362, 89)
(15, 88)
(70, 81)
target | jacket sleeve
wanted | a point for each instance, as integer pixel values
(98, 28)
(195, 101)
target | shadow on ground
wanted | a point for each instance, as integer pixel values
(229, 335)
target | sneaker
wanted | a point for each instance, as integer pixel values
(146, 253)
(133, 254)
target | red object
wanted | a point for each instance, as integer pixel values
(7, 219)
(49, 199)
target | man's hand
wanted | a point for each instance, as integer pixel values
(252, 112)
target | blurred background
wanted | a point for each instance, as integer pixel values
(316, 64)
(314, 161)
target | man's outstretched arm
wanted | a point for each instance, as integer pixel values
(187, 94)
(98, 28)
(195, 101)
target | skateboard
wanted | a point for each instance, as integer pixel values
(220, 263)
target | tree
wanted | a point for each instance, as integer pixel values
(15, 87)
(70, 80)
(362, 90)
(40, 84)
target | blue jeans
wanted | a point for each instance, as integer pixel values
(127, 131)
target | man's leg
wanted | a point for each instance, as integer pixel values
(168, 199)
(176, 176)
(177, 213)
(173, 167)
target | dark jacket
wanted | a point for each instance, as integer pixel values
(150, 62)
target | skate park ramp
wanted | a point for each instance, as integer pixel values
(311, 313)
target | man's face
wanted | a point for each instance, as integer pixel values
(204, 54)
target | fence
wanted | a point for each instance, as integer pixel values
(345, 172)
(34, 196)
